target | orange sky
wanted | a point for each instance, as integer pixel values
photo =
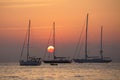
(69, 15)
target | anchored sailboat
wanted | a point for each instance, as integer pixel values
(31, 61)
(56, 59)
(92, 59)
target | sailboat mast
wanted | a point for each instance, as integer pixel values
(86, 56)
(54, 38)
(28, 39)
(101, 48)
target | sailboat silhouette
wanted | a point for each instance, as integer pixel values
(31, 61)
(55, 58)
(92, 59)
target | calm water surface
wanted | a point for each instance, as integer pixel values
(74, 71)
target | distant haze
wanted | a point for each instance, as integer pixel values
(69, 16)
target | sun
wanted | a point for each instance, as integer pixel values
(50, 49)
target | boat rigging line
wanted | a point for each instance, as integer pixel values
(79, 41)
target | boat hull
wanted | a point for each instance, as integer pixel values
(57, 61)
(92, 60)
(30, 63)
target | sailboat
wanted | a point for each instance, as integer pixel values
(93, 59)
(31, 61)
(55, 58)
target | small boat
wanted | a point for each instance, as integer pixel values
(31, 61)
(56, 59)
(93, 59)
(53, 64)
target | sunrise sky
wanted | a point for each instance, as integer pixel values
(69, 16)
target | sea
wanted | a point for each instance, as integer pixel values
(73, 71)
